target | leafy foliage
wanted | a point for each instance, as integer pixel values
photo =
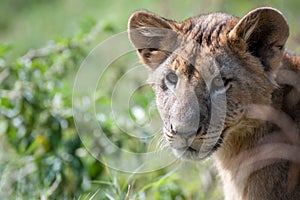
(36, 115)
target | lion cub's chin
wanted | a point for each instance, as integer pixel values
(195, 149)
(191, 154)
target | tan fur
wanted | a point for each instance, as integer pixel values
(250, 126)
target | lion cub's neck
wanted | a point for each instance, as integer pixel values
(235, 150)
(241, 139)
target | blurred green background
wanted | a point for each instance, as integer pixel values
(42, 45)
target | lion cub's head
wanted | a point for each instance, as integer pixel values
(206, 70)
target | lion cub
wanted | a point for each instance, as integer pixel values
(227, 88)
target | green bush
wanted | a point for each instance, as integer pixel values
(37, 122)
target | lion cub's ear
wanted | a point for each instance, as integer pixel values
(153, 36)
(265, 32)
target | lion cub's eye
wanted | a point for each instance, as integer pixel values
(219, 84)
(172, 78)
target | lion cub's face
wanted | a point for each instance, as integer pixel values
(206, 70)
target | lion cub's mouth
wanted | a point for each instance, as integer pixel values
(193, 147)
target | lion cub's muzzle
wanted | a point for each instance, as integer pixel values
(192, 145)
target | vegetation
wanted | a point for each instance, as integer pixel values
(42, 155)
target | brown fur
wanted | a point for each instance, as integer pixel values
(250, 125)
